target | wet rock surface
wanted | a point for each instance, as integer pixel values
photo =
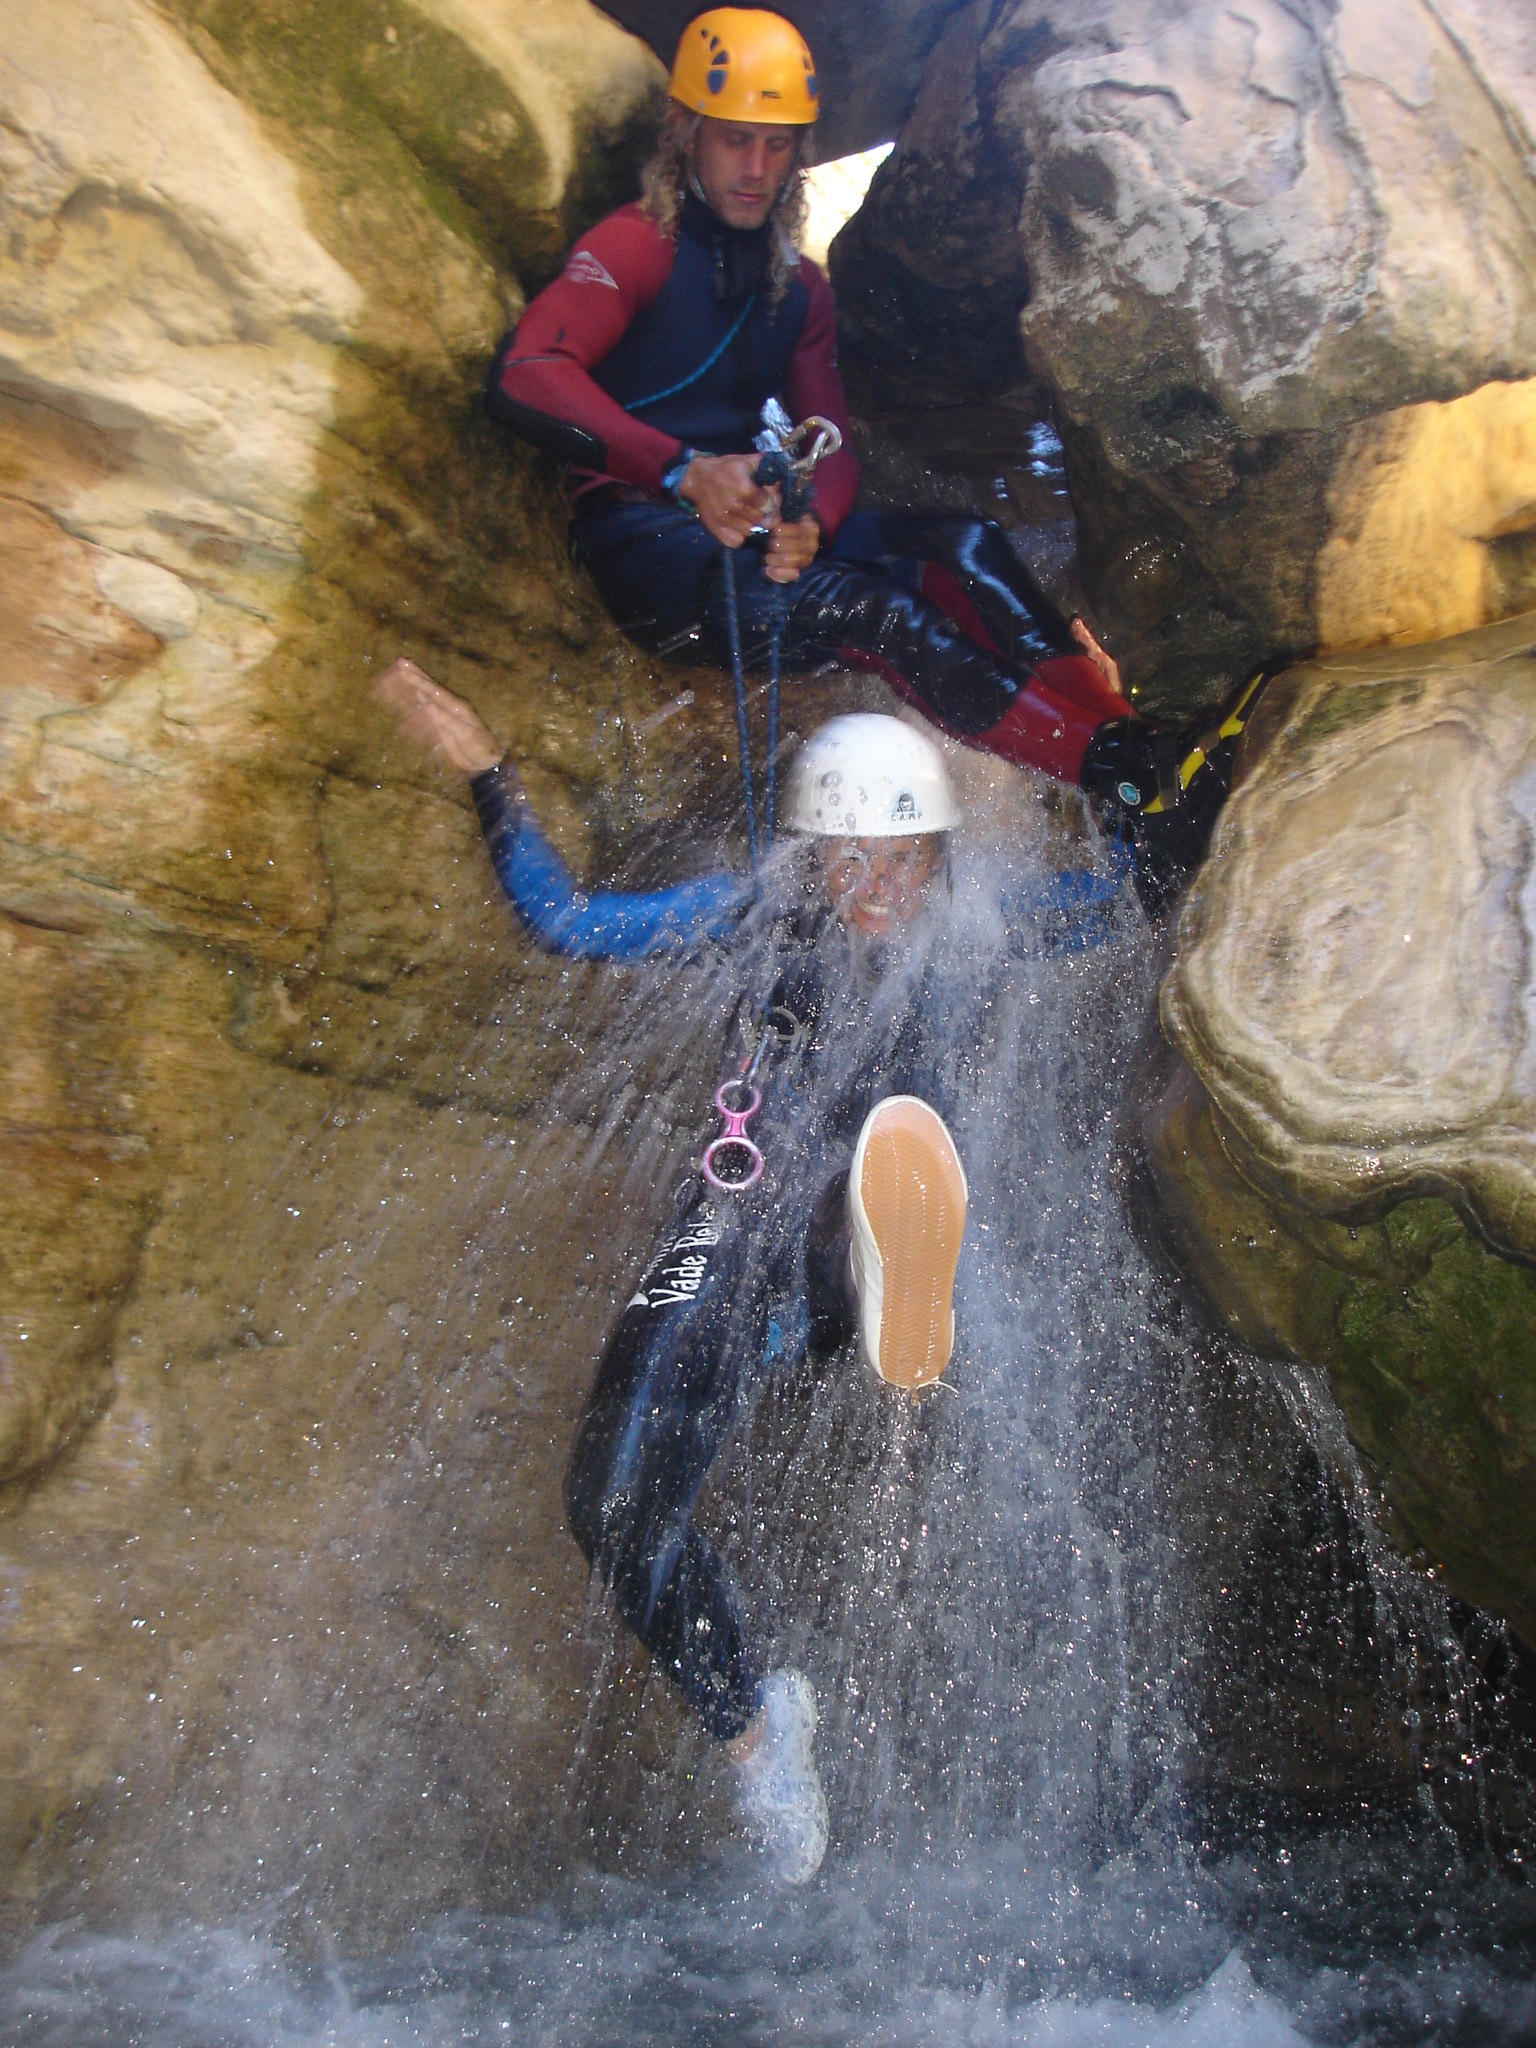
(930, 273)
(1347, 1148)
(252, 277)
(319, 1185)
(1290, 356)
(239, 346)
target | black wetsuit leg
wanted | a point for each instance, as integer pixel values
(676, 1365)
(653, 565)
(659, 573)
(684, 1353)
(1009, 606)
(831, 1299)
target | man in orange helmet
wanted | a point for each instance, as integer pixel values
(647, 365)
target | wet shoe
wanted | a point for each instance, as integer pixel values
(906, 1202)
(1161, 790)
(778, 1789)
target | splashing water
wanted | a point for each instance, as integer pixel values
(1132, 1732)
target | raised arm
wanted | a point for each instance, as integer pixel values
(608, 924)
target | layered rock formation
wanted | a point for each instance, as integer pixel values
(1274, 268)
(1279, 271)
(254, 264)
(291, 1131)
(167, 333)
(228, 286)
(1347, 1151)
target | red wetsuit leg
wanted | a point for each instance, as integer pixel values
(1049, 724)
(1063, 702)
(1058, 709)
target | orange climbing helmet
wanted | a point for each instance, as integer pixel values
(744, 64)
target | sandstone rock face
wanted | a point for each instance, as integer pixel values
(1280, 268)
(1349, 1152)
(254, 262)
(1253, 238)
(201, 365)
(167, 330)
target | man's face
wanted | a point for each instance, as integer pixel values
(878, 885)
(742, 167)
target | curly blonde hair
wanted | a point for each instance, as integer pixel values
(666, 174)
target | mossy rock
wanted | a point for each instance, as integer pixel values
(386, 89)
(1429, 1339)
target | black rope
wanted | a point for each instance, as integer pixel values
(738, 677)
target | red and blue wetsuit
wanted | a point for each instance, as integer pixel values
(646, 345)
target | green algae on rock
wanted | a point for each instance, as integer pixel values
(251, 278)
(1347, 1155)
(258, 985)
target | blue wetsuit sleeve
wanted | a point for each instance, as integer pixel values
(608, 924)
(1074, 907)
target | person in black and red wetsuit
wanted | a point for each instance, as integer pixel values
(647, 364)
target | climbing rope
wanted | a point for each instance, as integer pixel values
(789, 459)
(738, 677)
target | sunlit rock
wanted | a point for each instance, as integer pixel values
(242, 327)
(253, 968)
(1430, 525)
(1348, 1153)
(1252, 246)
(167, 328)
(160, 279)
(835, 190)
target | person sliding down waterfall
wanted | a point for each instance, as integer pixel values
(647, 366)
(828, 1113)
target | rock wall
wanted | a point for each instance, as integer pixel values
(1279, 268)
(1346, 1149)
(930, 273)
(270, 1058)
(254, 972)
(240, 331)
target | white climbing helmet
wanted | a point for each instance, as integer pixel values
(865, 776)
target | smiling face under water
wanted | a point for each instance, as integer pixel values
(877, 886)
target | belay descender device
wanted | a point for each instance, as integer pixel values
(789, 458)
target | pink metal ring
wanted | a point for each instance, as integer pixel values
(733, 1140)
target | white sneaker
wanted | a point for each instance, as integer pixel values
(907, 1198)
(777, 1787)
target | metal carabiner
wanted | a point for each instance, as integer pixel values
(825, 439)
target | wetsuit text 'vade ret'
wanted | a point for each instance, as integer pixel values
(646, 346)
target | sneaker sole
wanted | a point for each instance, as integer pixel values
(912, 1189)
